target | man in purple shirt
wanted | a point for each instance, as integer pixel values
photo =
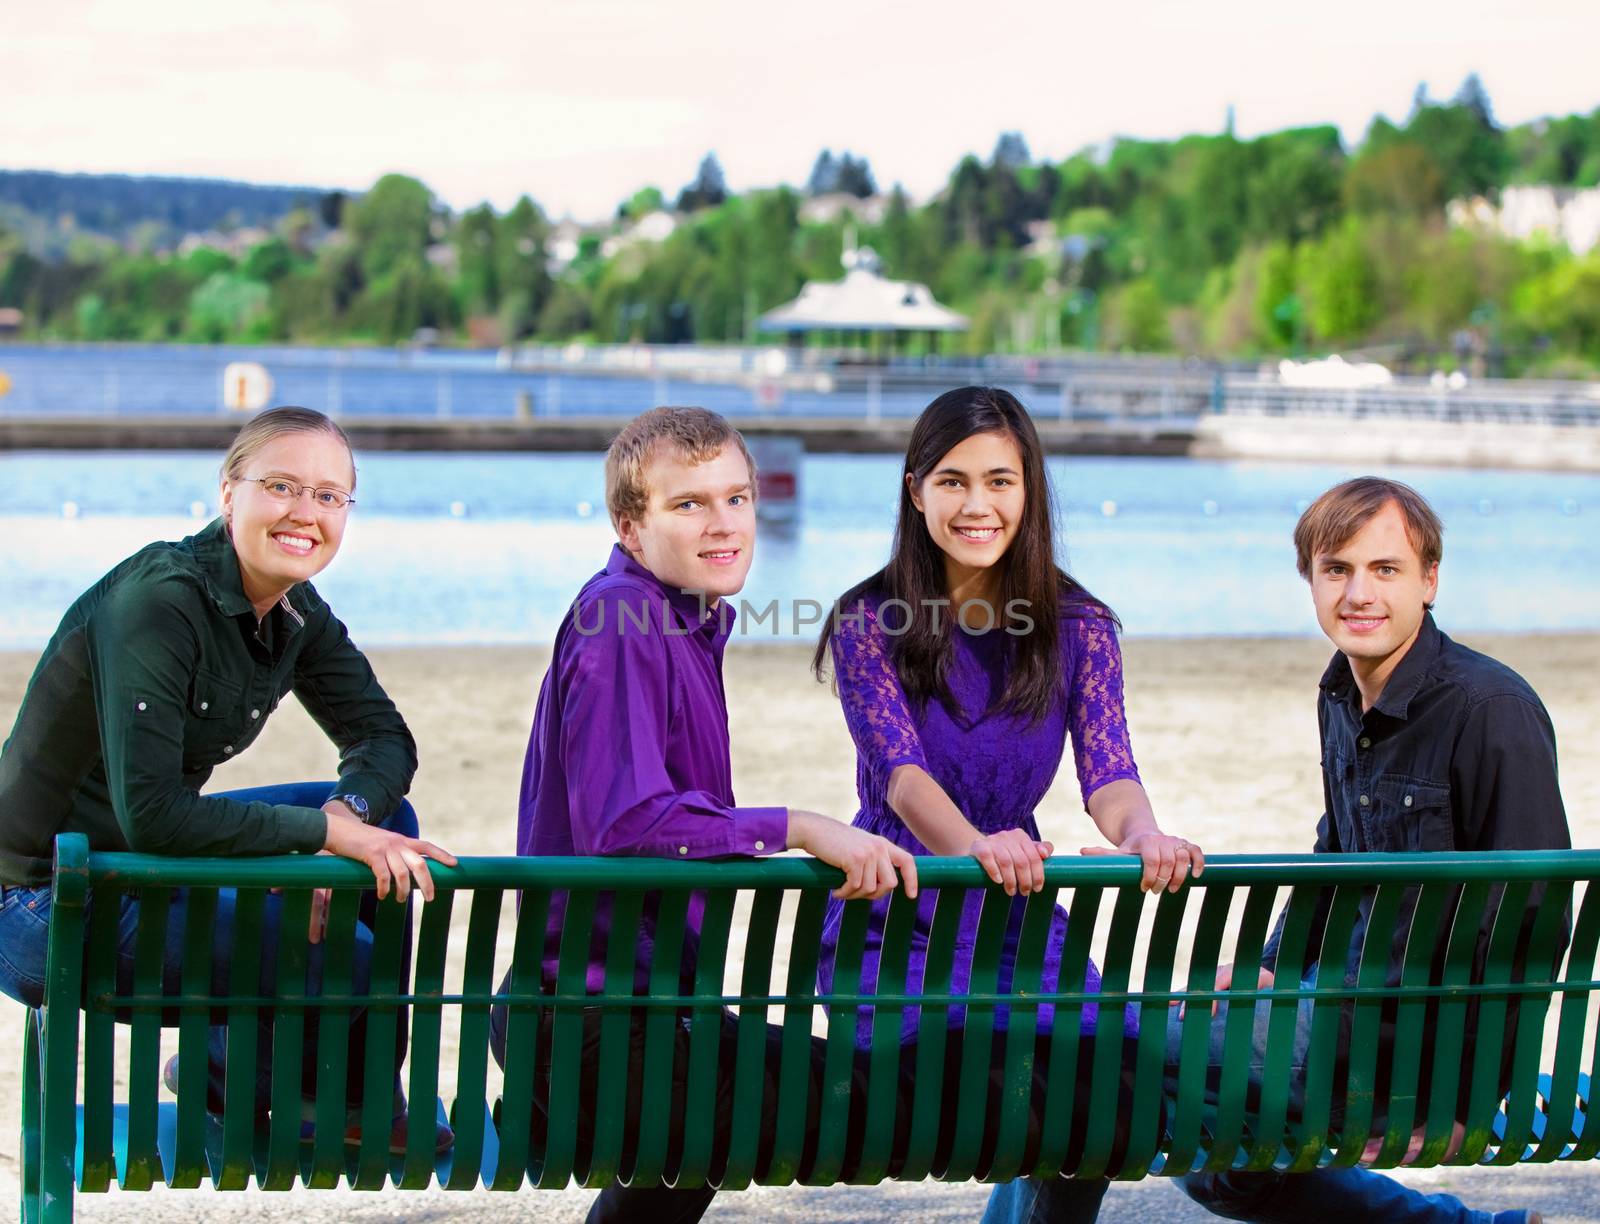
(630, 750)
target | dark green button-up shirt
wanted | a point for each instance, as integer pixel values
(156, 675)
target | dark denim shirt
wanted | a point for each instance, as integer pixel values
(156, 675)
(1457, 753)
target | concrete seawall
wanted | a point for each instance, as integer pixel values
(1298, 438)
(545, 434)
(1399, 440)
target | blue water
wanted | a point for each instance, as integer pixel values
(162, 379)
(491, 548)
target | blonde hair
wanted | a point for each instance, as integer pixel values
(695, 434)
(1336, 516)
(275, 423)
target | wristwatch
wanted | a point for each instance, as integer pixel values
(356, 804)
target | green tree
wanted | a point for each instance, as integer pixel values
(1278, 310)
(477, 242)
(522, 267)
(1136, 319)
(392, 225)
(1397, 178)
(641, 203)
(708, 189)
(227, 306)
(269, 261)
(1341, 283)
(1562, 306)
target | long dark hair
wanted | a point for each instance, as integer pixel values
(916, 571)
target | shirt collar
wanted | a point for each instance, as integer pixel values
(1395, 700)
(213, 548)
(715, 623)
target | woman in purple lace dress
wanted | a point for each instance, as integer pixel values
(963, 666)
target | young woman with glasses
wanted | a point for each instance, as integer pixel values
(169, 666)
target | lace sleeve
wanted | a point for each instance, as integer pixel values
(875, 707)
(1094, 704)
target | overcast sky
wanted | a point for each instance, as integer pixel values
(579, 104)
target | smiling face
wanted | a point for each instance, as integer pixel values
(972, 503)
(698, 529)
(1371, 593)
(281, 542)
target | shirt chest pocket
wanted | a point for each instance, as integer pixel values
(1412, 814)
(214, 719)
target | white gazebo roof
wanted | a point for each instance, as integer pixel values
(863, 301)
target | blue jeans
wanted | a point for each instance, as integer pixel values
(1058, 1200)
(24, 942)
(1336, 1195)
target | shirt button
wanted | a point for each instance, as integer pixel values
(205, 705)
(1365, 742)
(1408, 800)
(227, 749)
(761, 845)
(142, 706)
(683, 849)
(255, 713)
(1365, 801)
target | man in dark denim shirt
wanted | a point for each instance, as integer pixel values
(1426, 746)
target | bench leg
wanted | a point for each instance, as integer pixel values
(32, 1207)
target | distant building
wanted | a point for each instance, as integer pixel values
(444, 257)
(864, 301)
(234, 243)
(826, 209)
(561, 247)
(1565, 214)
(10, 320)
(656, 226)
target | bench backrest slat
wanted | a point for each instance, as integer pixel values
(472, 1062)
(666, 968)
(288, 1042)
(1555, 905)
(1022, 1039)
(141, 1167)
(612, 1074)
(566, 1053)
(382, 1037)
(1570, 1042)
(521, 1037)
(99, 1159)
(705, 1040)
(1057, 1132)
(333, 1040)
(427, 1021)
(794, 1059)
(750, 1054)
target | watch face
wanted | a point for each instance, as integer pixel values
(355, 803)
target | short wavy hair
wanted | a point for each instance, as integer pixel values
(695, 434)
(1345, 509)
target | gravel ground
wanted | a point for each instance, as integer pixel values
(1565, 1193)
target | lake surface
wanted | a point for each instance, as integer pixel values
(469, 548)
(187, 380)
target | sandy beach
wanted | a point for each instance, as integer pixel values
(1225, 734)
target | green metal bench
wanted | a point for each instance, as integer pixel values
(85, 1146)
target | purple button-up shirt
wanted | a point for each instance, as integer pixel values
(629, 753)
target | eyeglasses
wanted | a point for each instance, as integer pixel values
(281, 489)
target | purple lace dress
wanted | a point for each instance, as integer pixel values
(996, 767)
